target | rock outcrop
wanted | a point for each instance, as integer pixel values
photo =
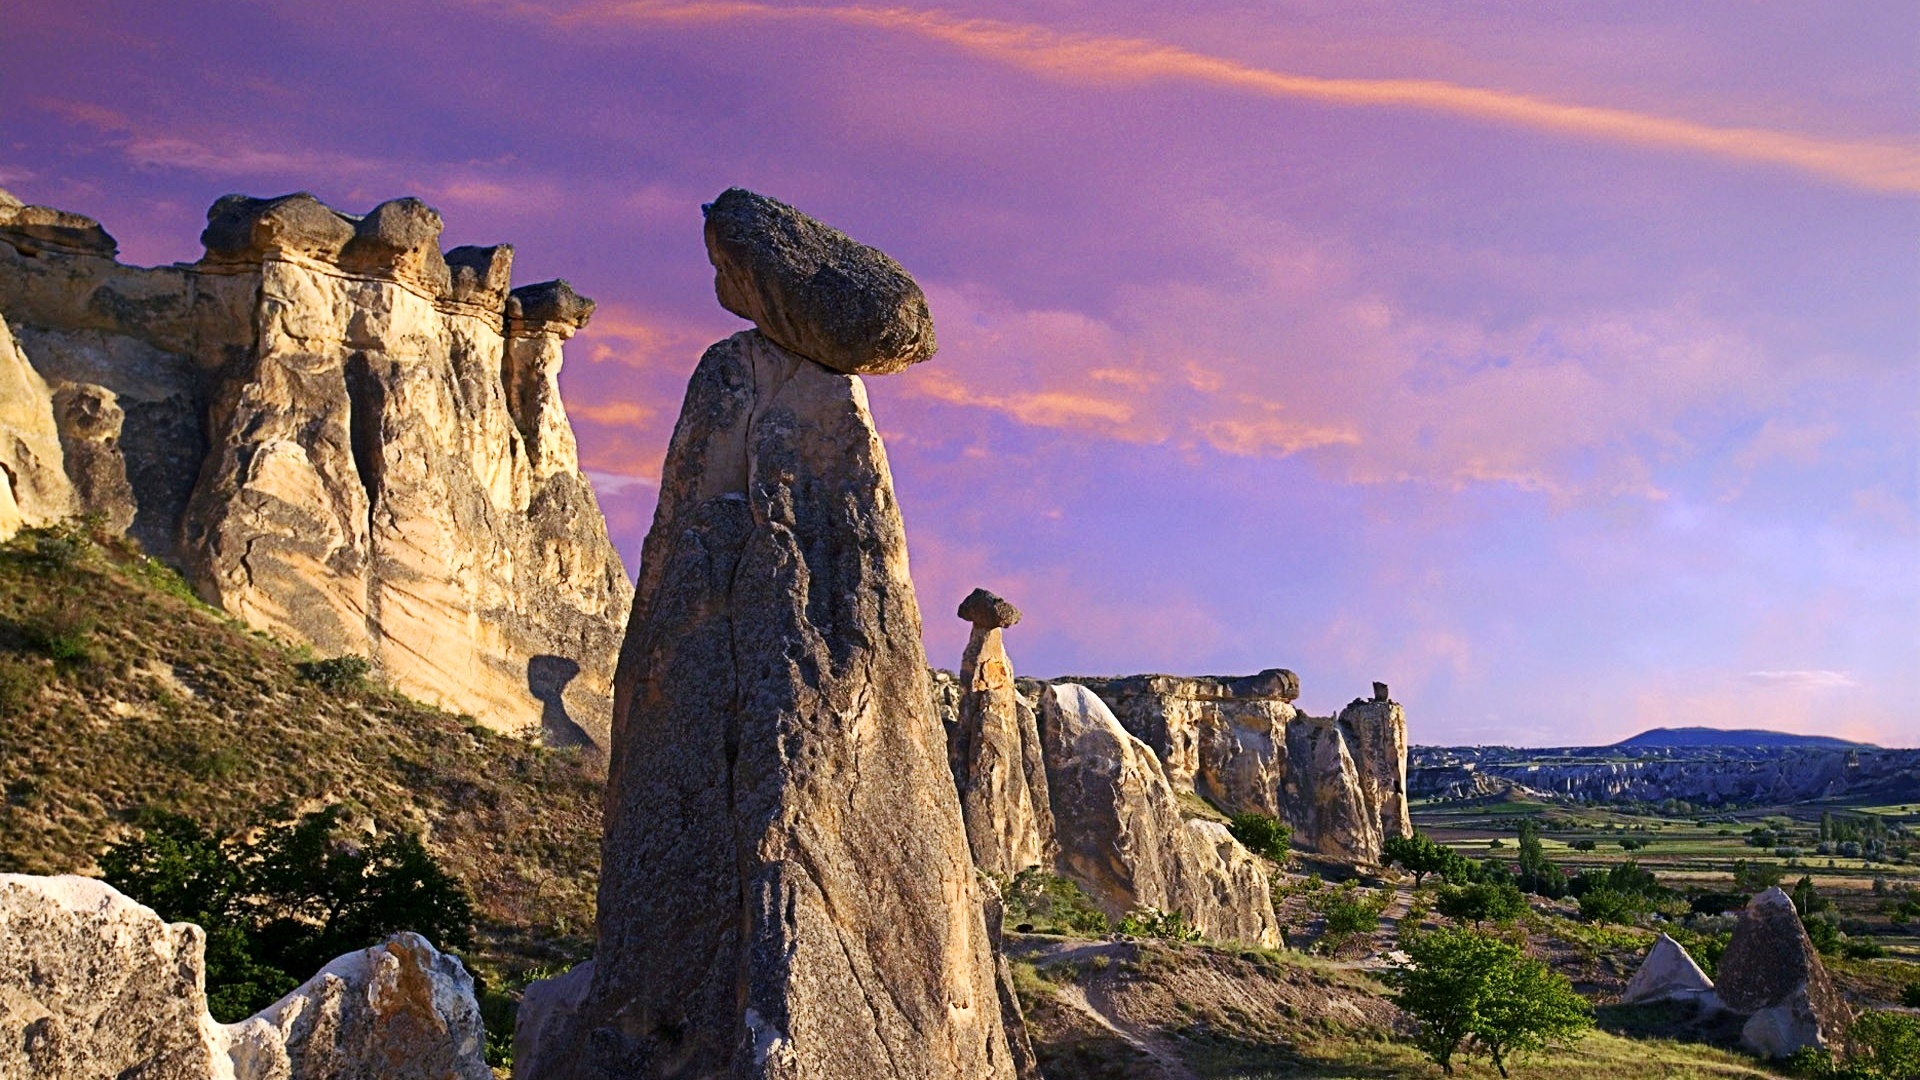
(401, 1010)
(1667, 974)
(548, 1017)
(1772, 973)
(813, 290)
(94, 984)
(1242, 744)
(340, 434)
(1123, 837)
(34, 486)
(995, 752)
(786, 888)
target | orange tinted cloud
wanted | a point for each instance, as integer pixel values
(1875, 166)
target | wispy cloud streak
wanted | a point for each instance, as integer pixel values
(1874, 166)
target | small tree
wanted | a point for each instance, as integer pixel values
(1263, 835)
(1460, 985)
(1417, 855)
(1480, 902)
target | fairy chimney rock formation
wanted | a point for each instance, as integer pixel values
(1772, 973)
(994, 750)
(786, 889)
(1123, 837)
(340, 434)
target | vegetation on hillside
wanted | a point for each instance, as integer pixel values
(122, 697)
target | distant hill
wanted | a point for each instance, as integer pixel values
(1752, 738)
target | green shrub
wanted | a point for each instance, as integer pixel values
(1419, 855)
(1151, 922)
(336, 673)
(1584, 845)
(1611, 906)
(1041, 902)
(1262, 835)
(1910, 995)
(19, 684)
(62, 633)
(1482, 901)
(278, 908)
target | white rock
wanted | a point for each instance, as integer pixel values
(1667, 974)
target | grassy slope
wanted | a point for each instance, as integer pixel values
(180, 708)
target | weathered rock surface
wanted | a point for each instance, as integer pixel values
(94, 984)
(1241, 744)
(812, 289)
(1667, 974)
(786, 889)
(401, 1010)
(1772, 972)
(994, 750)
(1122, 835)
(549, 1013)
(34, 487)
(342, 437)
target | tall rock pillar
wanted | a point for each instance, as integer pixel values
(786, 889)
(997, 760)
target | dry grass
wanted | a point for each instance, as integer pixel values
(176, 707)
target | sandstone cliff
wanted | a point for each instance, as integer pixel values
(1242, 744)
(339, 433)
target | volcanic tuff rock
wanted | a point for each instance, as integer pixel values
(340, 435)
(994, 750)
(785, 888)
(1772, 972)
(1122, 835)
(1667, 974)
(1241, 743)
(812, 289)
(37, 490)
(93, 984)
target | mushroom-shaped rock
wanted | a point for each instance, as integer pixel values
(1667, 974)
(400, 238)
(548, 307)
(987, 611)
(32, 229)
(1772, 972)
(812, 289)
(480, 275)
(243, 229)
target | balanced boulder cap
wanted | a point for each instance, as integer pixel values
(987, 611)
(812, 289)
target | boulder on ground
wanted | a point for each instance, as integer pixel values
(548, 1009)
(1667, 974)
(812, 289)
(1772, 972)
(1122, 835)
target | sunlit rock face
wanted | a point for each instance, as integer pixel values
(1240, 743)
(786, 888)
(1772, 973)
(994, 749)
(343, 436)
(1122, 834)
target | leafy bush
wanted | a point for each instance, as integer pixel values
(278, 908)
(1631, 843)
(1862, 949)
(1468, 989)
(1263, 835)
(1419, 855)
(1151, 922)
(1882, 1046)
(1584, 845)
(337, 673)
(1826, 937)
(1350, 912)
(1611, 906)
(1482, 902)
(19, 683)
(62, 633)
(1910, 995)
(1040, 902)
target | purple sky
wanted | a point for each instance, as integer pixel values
(1559, 365)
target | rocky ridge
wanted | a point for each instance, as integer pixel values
(338, 432)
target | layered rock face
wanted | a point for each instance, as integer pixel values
(1772, 972)
(786, 888)
(342, 436)
(1123, 837)
(93, 984)
(996, 756)
(1241, 743)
